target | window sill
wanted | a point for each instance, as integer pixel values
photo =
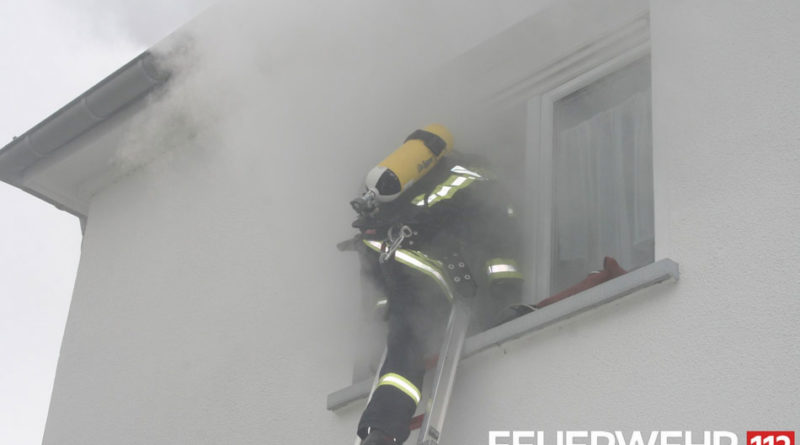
(657, 272)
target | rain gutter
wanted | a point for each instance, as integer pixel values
(120, 89)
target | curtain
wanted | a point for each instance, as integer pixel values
(603, 190)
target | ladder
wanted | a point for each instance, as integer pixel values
(445, 373)
(449, 355)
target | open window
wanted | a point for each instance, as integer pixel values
(593, 182)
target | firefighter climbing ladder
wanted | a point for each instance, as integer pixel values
(444, 376)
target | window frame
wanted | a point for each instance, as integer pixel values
(539, 163)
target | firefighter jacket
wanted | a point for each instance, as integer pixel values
(461, 226)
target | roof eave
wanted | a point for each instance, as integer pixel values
(114, 93)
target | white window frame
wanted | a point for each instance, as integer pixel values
(539, 162)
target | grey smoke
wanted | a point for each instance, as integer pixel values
(144, 22)
(260, 79)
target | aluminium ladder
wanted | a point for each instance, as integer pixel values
(444, 376)
(449, 356)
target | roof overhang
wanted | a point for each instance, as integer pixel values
(82, 131)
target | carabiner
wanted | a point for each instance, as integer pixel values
(394, 243)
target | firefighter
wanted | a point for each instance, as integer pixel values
(429, 216)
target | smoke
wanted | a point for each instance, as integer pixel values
(291, 87)
(291, 103)
(142, 22)
(249, 67)
(281, 108)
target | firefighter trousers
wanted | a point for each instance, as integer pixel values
(417, 316)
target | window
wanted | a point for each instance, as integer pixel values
(594, 176)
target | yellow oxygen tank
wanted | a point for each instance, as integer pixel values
(411, 161)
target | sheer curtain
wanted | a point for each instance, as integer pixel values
(603, 185)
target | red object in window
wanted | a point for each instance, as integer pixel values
(416, 422)
(611, 269)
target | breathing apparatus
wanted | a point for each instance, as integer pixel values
(420, 152)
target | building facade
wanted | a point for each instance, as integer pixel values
(213, 176)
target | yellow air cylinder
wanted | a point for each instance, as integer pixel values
(410, 162)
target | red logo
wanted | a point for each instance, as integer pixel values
(770, 438)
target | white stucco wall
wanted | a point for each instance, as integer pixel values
(718, 349)
(212, 307)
